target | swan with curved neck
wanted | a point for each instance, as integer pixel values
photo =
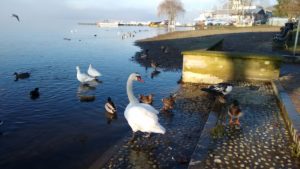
(140, 116)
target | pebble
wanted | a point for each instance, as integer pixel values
(218, 161)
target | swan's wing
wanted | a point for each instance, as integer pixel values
(93, 72)
(141, 116)
(86, 77)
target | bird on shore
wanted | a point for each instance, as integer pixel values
(219, 89)
(168, 102)
(140, 116)
(34, 94)
(234, 112)
(16, 16)
(146, 99)
(24, 75)
(110, 106)
(82, 77)
(93, 72)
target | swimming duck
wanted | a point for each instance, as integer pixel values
(234, 112)
(82, 77)
(168, 103)
(110, 106)
(140, 116)
(146, 99)
(93, 72)
(154, 73)
(145, 54)
(21, 75)
(154, 65)
(34, 94)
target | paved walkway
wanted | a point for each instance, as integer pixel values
(262, 141)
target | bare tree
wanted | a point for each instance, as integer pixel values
(171, 9)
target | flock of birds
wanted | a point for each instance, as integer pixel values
(139, 113)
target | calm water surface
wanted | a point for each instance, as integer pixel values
(57, 130)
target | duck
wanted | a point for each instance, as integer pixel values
(110, 106)
(82, 77)
(24, 75)
(154, 73)
(146, 99)
(168, 103)
(154, 65)
(144, 54)
(162, 48)
(219, 89)
(235, 112)
(34, 94)
(93, 72)
(140, 116)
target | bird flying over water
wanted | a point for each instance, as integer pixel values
(16, 16)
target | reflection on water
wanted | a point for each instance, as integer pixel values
(111, 117)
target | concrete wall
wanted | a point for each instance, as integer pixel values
(212, 67)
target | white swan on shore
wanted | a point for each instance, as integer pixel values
(141, 117)
(93, 72)
(82, 77)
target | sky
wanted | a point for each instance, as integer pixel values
(97, 10)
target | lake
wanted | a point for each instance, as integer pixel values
(57, 130)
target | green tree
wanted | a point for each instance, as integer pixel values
(171, 9)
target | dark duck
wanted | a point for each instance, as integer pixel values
(34, 94)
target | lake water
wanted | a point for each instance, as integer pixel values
(57, 130)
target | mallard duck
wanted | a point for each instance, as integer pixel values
(22, 75)
(146, 99)
(154, 65)
(234, 112)
(110, 106)
(168, 103)
(34, 94)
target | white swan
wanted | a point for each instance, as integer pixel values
(82, 77)
(93, 72)
(140, 117)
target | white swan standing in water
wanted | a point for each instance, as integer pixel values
(82, 77)
(93, 72)
(141, 117)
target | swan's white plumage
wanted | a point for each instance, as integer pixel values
(93, 72)
(82, 77)
(141, 117)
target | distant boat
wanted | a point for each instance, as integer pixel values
(107, 23)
